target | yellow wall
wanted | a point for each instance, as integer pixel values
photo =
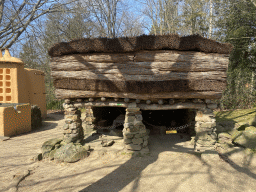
(14, 122)
(36, 89)
(19, 85)
(8, 82)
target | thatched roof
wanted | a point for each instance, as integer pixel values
(143, 42)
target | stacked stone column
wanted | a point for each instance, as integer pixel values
(87, 120)
(72, 129)
(135, 133)
(205, 128)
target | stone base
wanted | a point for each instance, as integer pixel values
(72, 129)
(135, 133)
(205, 128)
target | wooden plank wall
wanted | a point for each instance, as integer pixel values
(145, 74)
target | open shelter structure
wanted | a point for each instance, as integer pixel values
(144, 73)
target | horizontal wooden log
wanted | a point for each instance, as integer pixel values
(95, 57)
(66, 94)
(144, 68)
(101, 104)
(164, 75)
(175, 106)
(177, 56)
(140, 86)
(151, 56)
(187, 105)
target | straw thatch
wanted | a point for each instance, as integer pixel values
(143, 42)
(137, 65)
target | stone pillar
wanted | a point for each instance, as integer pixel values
(87, 120)
(135, 133)
(72, 129)
(205, 128)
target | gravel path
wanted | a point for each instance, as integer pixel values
(171, 166)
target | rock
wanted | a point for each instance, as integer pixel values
(128, 135)
(204, 118)
(145, 137)
(208, 101)
(129, 119)
(65, 126)
(144, 150)
(224, 138)
(52, 153)
(132, 130)
(132, 109)
(235, 134)
(224, 147)
(225, 126)
(138, 117)
(127, 141)
(71, 153)
(144, 130)
(140, 135)
(208, 125)
(133, 147)
(132, 105)
(107, 143)
(145, 143)
(212, 106)
(69, 121)
(246, 138)
(87, 147)
(206, 142)
(49, 145)
(192, 141)
(137, 141)
(38, 157)
(69, 139)
(138, 124)
(128, 125)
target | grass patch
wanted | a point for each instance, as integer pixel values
(241, 116)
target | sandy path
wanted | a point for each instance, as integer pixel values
(171, 166)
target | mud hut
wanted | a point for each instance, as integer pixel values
(148, 72)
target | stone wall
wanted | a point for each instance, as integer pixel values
(205, 128)
(72, 129)
(87, 120)
(135, 133)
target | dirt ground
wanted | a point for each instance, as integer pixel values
(171, 166)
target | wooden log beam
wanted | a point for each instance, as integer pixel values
(175, 106)
(101, 104)
(145, 68)
(177, 56)
(165, 75)
(153, 59)
(66, 94)
(187, 105)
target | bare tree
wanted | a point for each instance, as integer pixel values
(16, 16)
(107, 20)
(163, 15)
(130, 26)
